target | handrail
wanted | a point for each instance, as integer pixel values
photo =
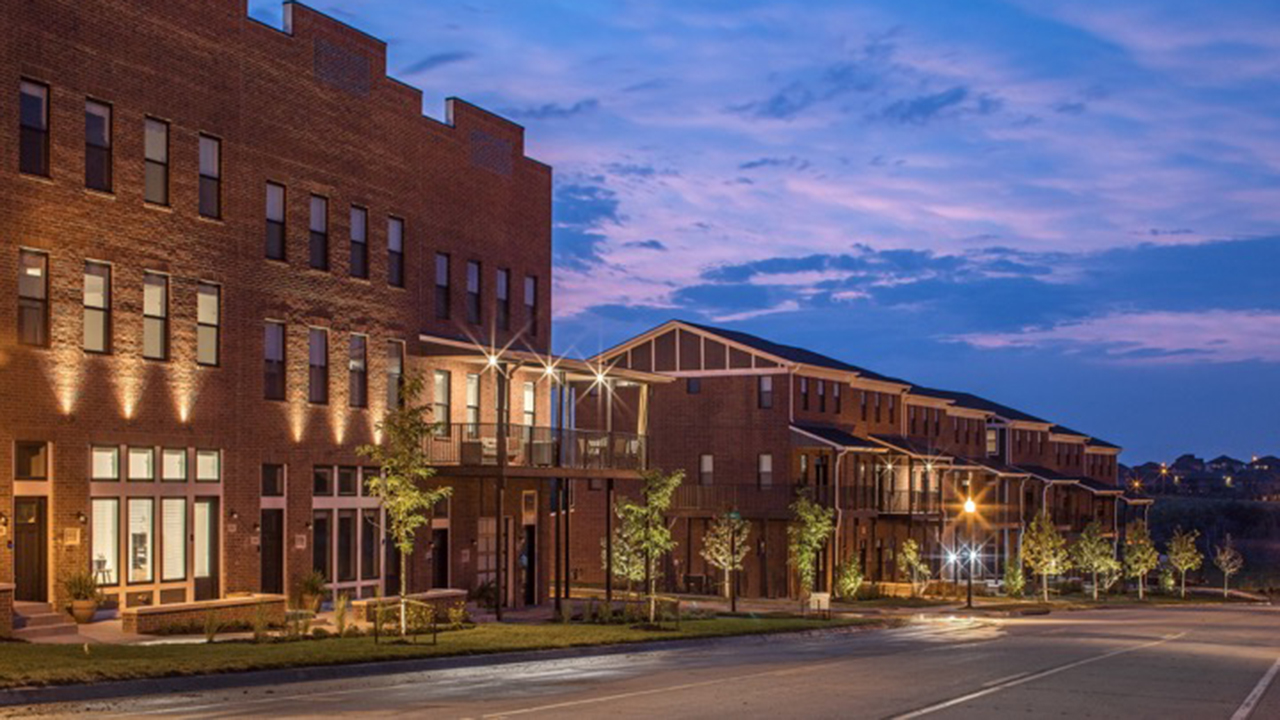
(530, 446)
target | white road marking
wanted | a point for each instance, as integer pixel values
(1005, 679)
(1246, 708)
(1035, 676)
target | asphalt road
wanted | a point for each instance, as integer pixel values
(1165, 663)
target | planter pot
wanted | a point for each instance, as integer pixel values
(312, 602)
(83, 610)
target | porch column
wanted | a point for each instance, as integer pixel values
(501, 378)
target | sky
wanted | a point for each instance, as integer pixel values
(1068, 207)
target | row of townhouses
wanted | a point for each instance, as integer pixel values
(224, 244)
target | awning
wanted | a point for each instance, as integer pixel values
(992, 466)
(836, 438)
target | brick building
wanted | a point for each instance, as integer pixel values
(753, 421)
(224, 245)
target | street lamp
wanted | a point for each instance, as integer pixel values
(970, 507)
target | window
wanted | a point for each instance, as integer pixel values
(141, 532)
(822, 396)
(104, 464)
(322, 480)
(357, 372)
(319, 224)
(473, 404)
(142, 464)
(503, 291)
(321, 539)
(155, 316)
(210, 177)
(370, 544)
(473, 292)
(208, 322)
(530, 405)
(97, 146)
(911, 415)
(31, 461)
(804, 393)
(208, 466)
(318, 360)
(346, 545)
(272, 480)
(359, 242)
(275, 222)
(764, 471)
(835, 396)
(395, 373)
(531, 304)
(993, 442)
(273, 357)
(893, 410)
(804, 468)
(157, 155)
(693, 386)
(442, 286)
(173, 539)
(33, 145)
(33, 298)
(173, 465)
(706, 469)
(395, 252)
(440, 397)
(106, 540)
(864, 405)
(97, 307)
(347, 484)
(765, 392)
(877, 407)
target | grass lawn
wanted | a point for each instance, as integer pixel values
(23, 664)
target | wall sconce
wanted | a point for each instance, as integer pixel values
(307, 525)
(82, 518)
(256, 527)
(4, 520)
(234, 515)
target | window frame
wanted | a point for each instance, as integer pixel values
(764, 476)
(531, 303)
(276, 227)
(442, 401)
(358, 262)
(475, 277)
(161, 166)
(44, 454)
(706, 469)
(150, 502)
(317, 392)
(25, 131)
(140, 451)
(318, 232)
(502, 298)
(395, 251)
(107, 150)
(102, 312)
(163, 319)
(165, 453)
(114, 450)
(395, 373)
(444, 271)
(207, 180)
(764, 395)
(358, 371)
(281, 480)
(204, 453)
(29, 302)
(215, 327)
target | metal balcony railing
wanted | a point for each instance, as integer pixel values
(903, 502)
(528, 446)
(747, 498)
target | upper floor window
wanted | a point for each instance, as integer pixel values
(395, 373)
(442, 286)
(835, 396)
(97, 307)
(275, 221)
(272, 480)
(706, 469)
(473, 292)
(156, 190)
(804, 393)
(208, 323)
(395, 252)
(822, 396)
(993, 442)
(319, 224)
(440, 397)
(31, 461)
(863, 395)
(33, 298)
(33, 143)
(473, 402)
(531, 303)
(764, 387)
(155, 316)
(530, 405)
(359, 242)
(764, 470)
(318, 361)
(97, 146)
(503, 293)
(358, 372)
(273, 358)
(210, 177)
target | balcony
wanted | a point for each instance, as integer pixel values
(749, 499)
(909, 502)
(534, 447)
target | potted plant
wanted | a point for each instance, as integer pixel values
(82, 587)
(312, 589)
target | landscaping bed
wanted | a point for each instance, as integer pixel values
(33, 665)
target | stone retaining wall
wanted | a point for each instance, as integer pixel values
(240, 610)
(6, 609)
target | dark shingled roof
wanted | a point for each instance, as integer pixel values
(838, 437)
(977, 403)
(1045, 473)
(1097, 486)
(904, 444)
(1064, 430)
(994, 465)
(1099, 442)
(789, 352)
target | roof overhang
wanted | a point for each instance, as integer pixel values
(571, 369)
(832, 439)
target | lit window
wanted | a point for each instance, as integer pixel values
(173, 539)
(97, 307)
(141, 536)
(104, 464)
(106, 540)
(173, 465)
(157, 162)
(155, 316)
(142, 464)
(441, 413)
(33, 298)
(208, 466)
(208, 322)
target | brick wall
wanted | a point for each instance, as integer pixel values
(6, 610)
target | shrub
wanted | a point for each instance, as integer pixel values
(1168, 581)
(212, 623)
(1015, 583)
(486, 595)
(341, 604)
(458, 615)
(260, 623)
(849, 578)
(320, 633)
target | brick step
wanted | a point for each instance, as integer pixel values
(40, 620)
(24, 607)
(46, 631)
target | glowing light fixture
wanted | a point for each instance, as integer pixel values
(970, 506)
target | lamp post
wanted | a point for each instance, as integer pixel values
(970, 507)
(734, 517)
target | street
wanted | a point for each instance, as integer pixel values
(1201, 662)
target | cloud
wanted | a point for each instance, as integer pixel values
(432, 62)
(782, 307)
(1212, 336)
(792, 162)
(646, 245)
(553, 111)
(583, 213)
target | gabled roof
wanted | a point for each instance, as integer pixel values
(970, 400)
(1099, 442)
(1049, 476)
(1097, 487)
(836, 437)
(1226, 459)
(1064, 430)
(994, 466)
(790, 352)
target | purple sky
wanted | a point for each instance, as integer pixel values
(1073, 208)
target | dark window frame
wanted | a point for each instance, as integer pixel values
(159, 166)
(29, 303)
(211, 182)
(43, 453)
(502, 298)
(317, 375)
(278, 474)
(274, 367)
(318, 240)
(475, 310)
(358, 371)
(358, 266)
(276, 230)
(444, 270)
(104, 312)
(104, 182)
(162, 320)
(32, 138)
(216, 326)
(395, 257)
(764, 395)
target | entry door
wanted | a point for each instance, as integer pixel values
(31, 549)
(529, 564)
(205, 532)
(272, 551)
(439, 558)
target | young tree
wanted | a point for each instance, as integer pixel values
(725, 544)
(401, 486)
(849, 578)
(628, 561)
(917, 569)
(1014, 581)
(811, 526)
(1045, 551)
(1093, 553)
(1184, 556)
(1140, 555)
(652, 537)
(1229, 561)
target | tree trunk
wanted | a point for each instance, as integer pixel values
(1095, 586)
(1225, 579)
(1044, 585)
(1142, 586)
(1183, 594)
(404, 593)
